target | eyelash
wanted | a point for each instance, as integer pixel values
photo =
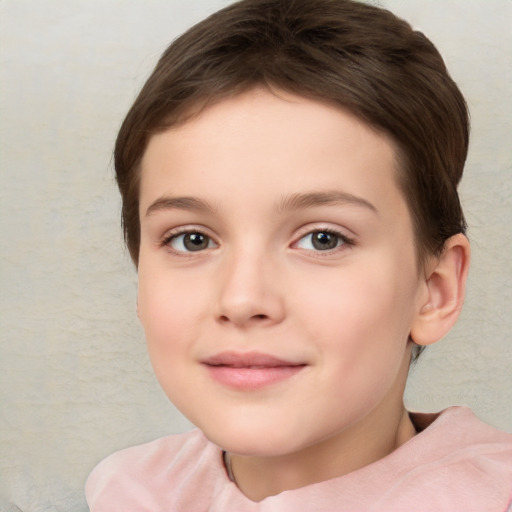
(343, 240)
(169, 237)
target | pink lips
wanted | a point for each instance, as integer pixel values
(250, 370)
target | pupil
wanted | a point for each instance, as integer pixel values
(324, 241)
(195, 241)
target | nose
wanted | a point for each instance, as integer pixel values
(249, 292)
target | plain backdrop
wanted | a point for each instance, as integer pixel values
(75, 379)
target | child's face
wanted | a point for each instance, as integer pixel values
(277, 276)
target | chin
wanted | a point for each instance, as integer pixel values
(255, 440)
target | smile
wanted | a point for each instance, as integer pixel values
(250, 371)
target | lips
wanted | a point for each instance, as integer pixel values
(246, 360)
(249, 371)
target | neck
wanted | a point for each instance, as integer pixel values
(380, 432)
(261, 477)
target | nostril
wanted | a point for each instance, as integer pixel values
(224, 318)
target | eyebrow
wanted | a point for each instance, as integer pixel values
(179, 203)
(334, 197)
(292, 202)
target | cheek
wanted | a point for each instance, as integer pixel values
(358, 310)
(361, 332)
(167, 319)
(166, 311)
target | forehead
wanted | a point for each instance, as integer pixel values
(269, 143)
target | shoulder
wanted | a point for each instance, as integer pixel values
(457, 432)
(151, 476)
(153, 455)
(456, 463)
(463, 459)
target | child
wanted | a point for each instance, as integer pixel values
(289, 176)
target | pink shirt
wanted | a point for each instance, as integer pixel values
(457, 463)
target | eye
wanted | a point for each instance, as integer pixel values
(322, 240)
(192, 241)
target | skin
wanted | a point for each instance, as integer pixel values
(265, 171)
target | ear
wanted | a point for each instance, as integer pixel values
(445, 287)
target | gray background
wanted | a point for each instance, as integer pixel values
(75, 379)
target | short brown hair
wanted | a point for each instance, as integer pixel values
(350, 54)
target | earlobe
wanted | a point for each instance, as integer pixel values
(445, 289)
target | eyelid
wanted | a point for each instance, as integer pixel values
(348, 240)
(173, 233)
